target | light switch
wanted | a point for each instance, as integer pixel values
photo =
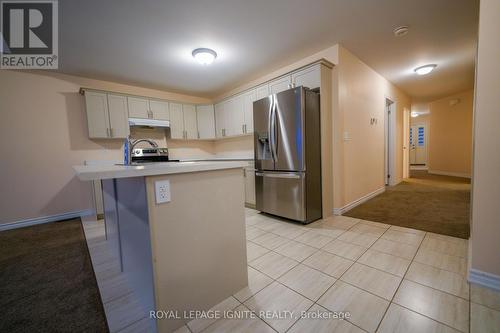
(162, 191)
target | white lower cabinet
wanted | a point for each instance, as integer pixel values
(205, 119)
(250, 186)
(176, 121)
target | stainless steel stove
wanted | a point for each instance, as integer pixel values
(150, 155)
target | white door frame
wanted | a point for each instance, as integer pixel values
(406, 143)
(390, 141)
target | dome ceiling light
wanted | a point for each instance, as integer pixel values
(204, 56)
(423, 70)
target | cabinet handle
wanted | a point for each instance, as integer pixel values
(243, 128)
(111, 132)
(107, 132)
(198, 134)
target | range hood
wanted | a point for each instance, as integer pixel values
(148, 122)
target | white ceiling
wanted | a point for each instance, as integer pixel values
(149, 42)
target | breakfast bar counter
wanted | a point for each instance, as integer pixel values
(178, 229)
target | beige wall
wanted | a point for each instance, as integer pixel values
(486, 162)
(44, 133)
(449, 133)
(360, 160)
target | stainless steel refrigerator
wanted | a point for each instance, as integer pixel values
(287, 148)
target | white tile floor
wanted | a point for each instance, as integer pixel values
(390, 279)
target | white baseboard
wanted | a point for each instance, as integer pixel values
(453, 174)
(419, 167)
(357, 202)
(484, 279)
(45, 219)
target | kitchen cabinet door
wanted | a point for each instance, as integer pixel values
(281, 84)
(219, 119)
(206, 121)
(138, 107)
(248, 99)
(261, 91)
(176, 121)
(309, 77)
(229, 109)
(118, 116)
(250, 186)
(190, 126)
(237, 115)
(159, 109)
(97, 114)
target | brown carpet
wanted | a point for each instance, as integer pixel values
(434, 203)
(47, 281)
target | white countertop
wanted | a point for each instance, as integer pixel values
(97, 172)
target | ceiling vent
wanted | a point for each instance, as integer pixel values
(401, 31)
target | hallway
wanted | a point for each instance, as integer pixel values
(428, 202)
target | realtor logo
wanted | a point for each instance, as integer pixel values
(29, 35)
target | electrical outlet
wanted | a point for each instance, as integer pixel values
(162, 191)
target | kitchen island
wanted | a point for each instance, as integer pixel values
(188, 253)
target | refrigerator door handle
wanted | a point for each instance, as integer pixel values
(278, 175)
(273, 128)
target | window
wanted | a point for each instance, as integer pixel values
(420, 136)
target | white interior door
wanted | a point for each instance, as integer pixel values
(418, 145)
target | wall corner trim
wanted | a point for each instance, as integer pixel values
(357, 202)
(484, 279)
(46, 219)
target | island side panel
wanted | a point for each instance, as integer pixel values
(111, 218)
(135, 241)
(198, 241)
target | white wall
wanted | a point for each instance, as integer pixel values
(485, 232)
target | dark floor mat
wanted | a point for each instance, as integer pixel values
(47, 281)
(438, 204)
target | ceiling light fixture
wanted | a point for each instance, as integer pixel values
(401, 31)
(422, 70)
(414, 114)
(204, 56)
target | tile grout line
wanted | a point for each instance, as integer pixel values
(400, 283)
(314, 302)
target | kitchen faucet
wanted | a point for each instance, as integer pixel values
(133, 143)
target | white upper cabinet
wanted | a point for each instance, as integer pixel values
(309, 77)
(248, 98)
(237, 115)
(190, 126)
(97, 114)
(261, 91)
(138, 107)
(281, 84)
(205, 119)
(159, 109)
(176, 121)
(219, 120)
(118, 116)
(107, 116)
